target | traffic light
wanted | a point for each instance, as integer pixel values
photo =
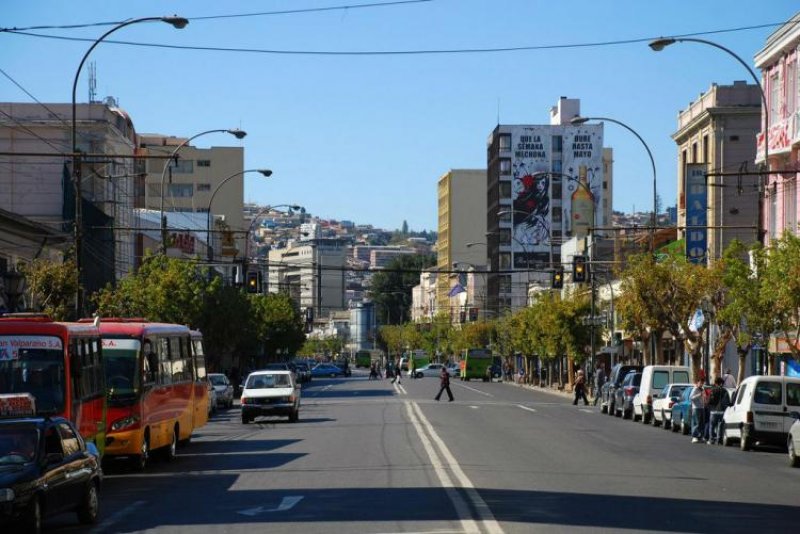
(558, 279)
(252, 282)
(579, 269)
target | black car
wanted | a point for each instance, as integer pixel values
(46, 468)
(609, 390)
(623, 396)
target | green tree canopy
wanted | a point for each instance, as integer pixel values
(391, 287)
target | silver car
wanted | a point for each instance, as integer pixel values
(223, 389)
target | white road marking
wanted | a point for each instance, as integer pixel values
(526, 408)
(586, 410)
(485, 516)
(119, 515)
(287, 503)
(400, 389)
(475, 390)
(475, 407)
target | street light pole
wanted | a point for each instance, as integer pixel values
(659, 45)
(210, 249)
(239, 134)
(581, 120)
(246, 256)
(175, 21)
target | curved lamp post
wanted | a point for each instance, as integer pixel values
(238, 134)
(175, 21)
(580, 120)
(264, 172)
(659, 45)
(246, 256)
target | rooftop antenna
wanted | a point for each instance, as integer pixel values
(92, 82)
(498, 111)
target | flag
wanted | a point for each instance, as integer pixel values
(455, 290)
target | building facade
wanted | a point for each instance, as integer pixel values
(778, 61)
(546, 184)
(717, 136)
(461, 231)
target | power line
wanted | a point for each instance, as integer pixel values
(593, 44)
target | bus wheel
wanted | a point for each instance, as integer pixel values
(141, 459)
(171, 451)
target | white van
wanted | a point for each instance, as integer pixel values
(654, 378)
(761, 411)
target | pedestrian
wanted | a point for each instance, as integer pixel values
(727, 380)
(580, 389)
(717, 402)
(444, 384)
(413, 368)
(397, 373)
(599, 380)
(698, 400)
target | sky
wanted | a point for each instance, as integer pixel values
(365, 137)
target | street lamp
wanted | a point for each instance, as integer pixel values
(659, 45)
(177, 22)
(237, 133)
(210, 248)
(580, 120)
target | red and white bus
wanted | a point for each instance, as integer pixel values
(157, 387)
(61, 365)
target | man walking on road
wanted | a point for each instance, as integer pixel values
(397, 373)
(599, 380)
(444, 381)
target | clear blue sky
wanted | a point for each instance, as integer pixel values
(366, 138)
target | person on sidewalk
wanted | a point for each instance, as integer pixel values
(698, 400)
(717, 402)
(580, 389)
(444, 382)
(599, 380)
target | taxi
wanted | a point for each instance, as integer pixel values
(46, 468)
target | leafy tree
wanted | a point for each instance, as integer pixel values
(52, 287)
(278, 324)
(780, 291)
(391, 288)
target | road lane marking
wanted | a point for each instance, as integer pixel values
(400, 389)
(116, 517)
(485, 515)
(526, 408)
(586, 410)
(475, 390)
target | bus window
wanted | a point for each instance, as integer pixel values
(165, 366)
(199, 359)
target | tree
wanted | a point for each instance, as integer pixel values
(391, 288)
(781, 291)
(52, 287)
(277, 324)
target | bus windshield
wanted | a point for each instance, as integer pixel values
(121, 362)
(35, 365)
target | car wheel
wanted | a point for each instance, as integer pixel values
(625, 413)
(655, 421)
(419, 375)
(685, 429)
(90, 505)
(745, 442)
(171, 451)
(612, 410)
(32, 520)
(294, 416)
(245, 419)
(664, 423)
(794, 460)
(603, 408)
(726, 441)
(673, 425)
(141, 459)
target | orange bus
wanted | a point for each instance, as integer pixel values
(156, 387)
(61, 365)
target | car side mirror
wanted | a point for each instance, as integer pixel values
(54, 458)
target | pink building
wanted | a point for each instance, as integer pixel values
(779, 77)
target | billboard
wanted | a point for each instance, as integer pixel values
(582, 161)
(696, 212)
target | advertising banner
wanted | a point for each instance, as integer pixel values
(11, 345)
(531, 156)
(696, 212)
(582, 160)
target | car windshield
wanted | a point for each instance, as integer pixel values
(268, 381)
(217, 380)
(18, 444)
(35, 365)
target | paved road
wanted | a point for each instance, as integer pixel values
(371, 457)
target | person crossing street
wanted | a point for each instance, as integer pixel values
(444, 382)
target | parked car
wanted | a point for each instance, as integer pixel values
(326, 369)
(454, 369)
(663, 402)
(682, 411)
(302, 372)
(344, 365)
(609, 390)
(623, 395)
(793, 441)
(758, 412)
(212, 398)
(223, 389)
(46, 468)
(270, 393)
(432, 369)
(654, 378)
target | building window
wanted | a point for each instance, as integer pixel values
(558, 143)
(791, 89)
(183, 166)
(694, 153)
(555, 214)
(180, 190)
(203, 187)
(504, 283)
(555, 189)
(557, 165)
(505, 167)
(504, 141)
(705, 149)
(204, 163)
(505, 189)
(505, 260)
(790, 206)
(505, 217)
(504, 236)
(774, 98)
(773, 214)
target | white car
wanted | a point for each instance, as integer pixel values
(223, 389)
(212, 398)
(793, 441)
(654, 378)
(270, 393)
(759, 409)
(432, 369)
(663, 401)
